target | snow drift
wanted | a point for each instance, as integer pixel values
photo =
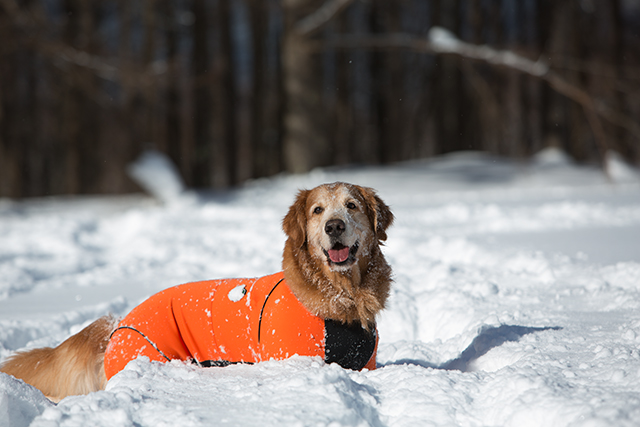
(516, 299)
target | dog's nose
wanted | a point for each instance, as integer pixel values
(334, 227)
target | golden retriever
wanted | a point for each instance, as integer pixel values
(332, 263)
(332, 259)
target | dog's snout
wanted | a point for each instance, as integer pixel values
(334, 227)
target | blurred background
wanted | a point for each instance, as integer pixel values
(233, 90)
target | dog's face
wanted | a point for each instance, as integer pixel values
(338, 223)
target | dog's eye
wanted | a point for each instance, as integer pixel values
(351, 205)
(318, 210)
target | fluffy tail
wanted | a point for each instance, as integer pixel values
(74, 367)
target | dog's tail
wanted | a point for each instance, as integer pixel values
(74, 367)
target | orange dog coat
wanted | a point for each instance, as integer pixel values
(218, 322)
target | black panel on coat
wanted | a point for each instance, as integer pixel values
(350, 346)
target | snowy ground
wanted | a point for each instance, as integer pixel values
(516, 299)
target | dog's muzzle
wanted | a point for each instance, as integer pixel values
(341, 255)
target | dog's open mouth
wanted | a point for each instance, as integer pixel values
(340, 254)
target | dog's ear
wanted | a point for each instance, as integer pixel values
(379, 213)
(294, 223)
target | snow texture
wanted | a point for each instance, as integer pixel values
(516, 299)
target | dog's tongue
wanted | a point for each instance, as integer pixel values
(339, 255)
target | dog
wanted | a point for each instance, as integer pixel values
(335, 280)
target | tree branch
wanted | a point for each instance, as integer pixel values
(30, 25)
(441, 41)
(314, 22)
(444, 42)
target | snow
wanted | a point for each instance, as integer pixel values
(442, 40)
(155, 173)
(516, 299)
(237, 293)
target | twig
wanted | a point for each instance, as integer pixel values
(314, 22)
(57, 50)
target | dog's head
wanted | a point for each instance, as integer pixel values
(337, 223)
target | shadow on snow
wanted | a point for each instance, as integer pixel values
(488, 338)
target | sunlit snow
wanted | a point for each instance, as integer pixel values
(516, 299)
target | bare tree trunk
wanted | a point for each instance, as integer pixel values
(393, 144)
(173, 142)
(130, 144)
(7, 174)
(274, 107)
(92, 151)
(628, 146)
(513, 100)
(34, 151)
(260, 155)
(11, 147)
(546, 16)
(150, 130)
(343, 114)
(514, 116)
(224, 159)
(579, 138)
(70, 108)
(424, 123)
(497, 38)
(305, 142)
(447, 85)
(280, 103)
(33, 156)
(363, 127)
(538, 91)
(437, 89)
(379, 107)
(486, 118)
(202, 96)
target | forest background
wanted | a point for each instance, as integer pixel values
(233, 90)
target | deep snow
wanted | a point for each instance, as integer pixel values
(516, 299)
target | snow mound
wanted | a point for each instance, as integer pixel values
(156, 174)
(619, 170)
(551, 157)
(20, 403)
